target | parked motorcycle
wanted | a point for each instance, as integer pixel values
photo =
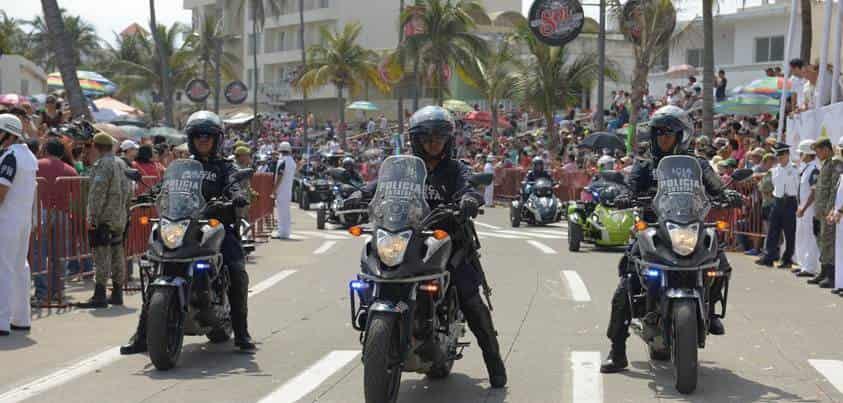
(349, 205)
(676, 262)
(541, 207)
(188, 290)
(597, 221)
(408, 312)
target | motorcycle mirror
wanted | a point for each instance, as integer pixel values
(741, 174)
(134, 175)
(481, 179)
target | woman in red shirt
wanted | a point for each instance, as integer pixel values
(145, 164)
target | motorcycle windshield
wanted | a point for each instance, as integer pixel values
(399, 201)
(681, 196)
(181, 190)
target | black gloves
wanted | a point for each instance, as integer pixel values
(469, 206)
(733, 198)
(239, 201)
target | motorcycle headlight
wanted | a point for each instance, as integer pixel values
(391, 247)
(172, 233)
(683, 238)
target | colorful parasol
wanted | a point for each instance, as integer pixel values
(455, 105)
(13, 100)
(747, 105)
(769, 86)
(362, 106)
(92, 83)
(484, 119)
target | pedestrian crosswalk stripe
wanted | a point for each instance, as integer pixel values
(311, 378)
(587, 381)
(577, 287)
(489, 226)
(547, 250)
(498, 235)
(533, 234)
(324, 247)
(335, 235)
(831, 370)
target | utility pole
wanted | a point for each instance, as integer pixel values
(400, 86)
(601, 79)
(303, 66)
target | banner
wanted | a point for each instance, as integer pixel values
(556, 22)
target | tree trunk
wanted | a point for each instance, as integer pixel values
(493, 102)
(303, 64)
(639, 80)
(708, 68)
(418, 82)
(341, 106)
(217, 74)
(400, 87)
(163, 66)
(807, 31)
(62, 47)
(205, 64)
(255, 126)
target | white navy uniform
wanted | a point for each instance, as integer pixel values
(18, 168)
(285, 170)
(489, 193)
(807, 251)
(783, 214)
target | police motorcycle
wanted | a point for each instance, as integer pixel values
(349, 205)
(542, 207)
(408, 312)
(677, 267)
(187, 293)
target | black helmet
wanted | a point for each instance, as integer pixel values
(670, 121)
(204, 123)
(431, 121)
(538, 164)
(348, 163)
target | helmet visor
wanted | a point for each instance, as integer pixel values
(433, 136)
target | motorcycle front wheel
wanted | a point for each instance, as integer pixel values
(574, 236)
(165, 328)
(381, 372)
(685, 360)
(320, 218)
(515, 216)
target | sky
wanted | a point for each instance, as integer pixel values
(114, 15)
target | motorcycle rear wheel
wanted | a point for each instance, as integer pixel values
(685, 360)
(381, 373)
(165, 328)
(515, 216)
(574, 236)
(320, 218)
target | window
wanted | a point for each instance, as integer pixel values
(662, 61)
(769, 49)
(694, 57)
(24, 87)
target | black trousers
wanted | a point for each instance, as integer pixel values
(782, 220)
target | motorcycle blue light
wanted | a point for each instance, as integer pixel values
(652, 273)
(201, 265)
(358, 285)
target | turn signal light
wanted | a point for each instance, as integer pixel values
(144, 220)
(355, 230)
(213, 223)
(439, 235)
(722, 226)
(640, 225)
(430, 287)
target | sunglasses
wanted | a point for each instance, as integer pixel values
(429, 138)
(204, 136)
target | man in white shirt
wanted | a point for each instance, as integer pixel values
(384, 124)
(807, 251)
(785, 178)
(283, 190)
(18, 169)
(489, 193)
(371, 127)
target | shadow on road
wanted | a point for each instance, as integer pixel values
(207, 360)
(16, 341)
(426, 390)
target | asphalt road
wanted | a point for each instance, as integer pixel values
(782, 342)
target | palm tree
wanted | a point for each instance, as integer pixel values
(164, 73)
(343, 63)
(11, 35)
(807, 29)
(82, 34)
(447, 43)
(258, 10)
(550, 80)
(138, 76)
(494, 77)
(204, 46)
(63, 49)
(708, 67)
(650, 27)
(303, 63)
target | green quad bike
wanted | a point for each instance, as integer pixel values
(597, 221)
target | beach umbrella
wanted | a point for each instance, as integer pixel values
(13, 100)
(601, 140)
(134, 132)
(92, 83)
(681, 71)
(362, 106)
(769, 86)
(747, 105)
(113, 131)
(484, 119)
(455, 105)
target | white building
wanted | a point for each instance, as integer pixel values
(745, 44)
(18, 75)
(279, 53)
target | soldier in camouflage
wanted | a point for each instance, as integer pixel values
(108, 202)
(824, 202)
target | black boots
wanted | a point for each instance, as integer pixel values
(828, 281)
(97, 301)
(715, 326)
(616, 361)
(116, 297)
(137, 344)
(824, 272)
(238, 297)
(480, 322)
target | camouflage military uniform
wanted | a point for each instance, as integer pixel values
(108, 201)
(824, 202)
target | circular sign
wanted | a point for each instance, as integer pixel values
(198, 90)
(236, 92)
(556, 22)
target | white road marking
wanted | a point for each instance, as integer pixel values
(326, 234)
(497, 235)
(311, 378)
(542, 247)
(101, 360)
(311, 214)
(831, 370)
(297, 236)
(61, 376)
(560, 232)
(324, 247)
(484, 225)
(533, 234)
(271, 281)
(577, 287)
(588, 384)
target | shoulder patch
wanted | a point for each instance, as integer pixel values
(8, 167)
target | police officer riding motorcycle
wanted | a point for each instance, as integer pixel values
(535, 174)
(671, 132)
(204, 131)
